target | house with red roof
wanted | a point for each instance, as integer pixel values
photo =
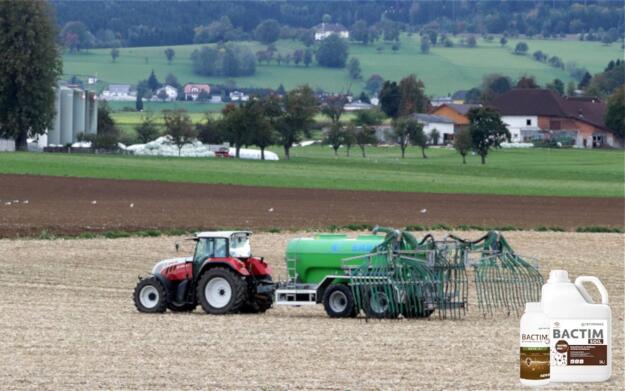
(534, 113)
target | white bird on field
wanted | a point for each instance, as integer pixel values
(424, 210)
(132, 205)
(270, 210)
(7, 203)
(94, 202)
(16, 201)
(25, 202)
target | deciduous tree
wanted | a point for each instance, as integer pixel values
(147, 130)
(300, 107)
(365, 135)
(29, 68)
(487, 130)
(179, 128)
(615, 114)
(333, 107)
(334, 137)
(463, 143)
(114, 54)
(170, 54)
(332, 52)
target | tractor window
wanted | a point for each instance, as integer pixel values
(221, 248)
(240, 246)
(203, 249)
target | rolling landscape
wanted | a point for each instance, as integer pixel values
(310, 195)
(443, 70)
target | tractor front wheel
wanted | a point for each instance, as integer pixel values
(221, 291)
(338, 301)
(150, 296)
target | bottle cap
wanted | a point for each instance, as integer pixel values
(558, 276)
(532, 307)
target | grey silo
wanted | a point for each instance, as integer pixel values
(54, 134)
(79, 113)
(92, 113)
(67, 115)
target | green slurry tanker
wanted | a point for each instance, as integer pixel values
(391, 275)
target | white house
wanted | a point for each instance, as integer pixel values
(238, 96)
(521, 127)
(443, 125)
(7, 145)
(357, 105)
(119, 92)
(324, 30)
(192, 91)
(166, 93)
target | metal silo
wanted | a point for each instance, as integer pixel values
(54, 134)
(79, 113)
(92, 113)
(67, 115)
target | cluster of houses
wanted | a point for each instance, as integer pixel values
(531, 115)
(167, 93)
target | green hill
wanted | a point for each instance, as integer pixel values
(444, 70)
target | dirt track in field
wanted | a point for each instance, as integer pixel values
(72, 205)
(67, 322)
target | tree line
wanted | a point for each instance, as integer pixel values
(173, 23)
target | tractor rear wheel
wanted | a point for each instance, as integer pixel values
(150, 296)
(221, 291)
(338, 301)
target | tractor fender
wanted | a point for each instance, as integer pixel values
(166, 283)
(234, 264)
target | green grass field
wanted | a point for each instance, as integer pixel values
(515, 172)
(444, 70)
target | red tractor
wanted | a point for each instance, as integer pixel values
(222, 276)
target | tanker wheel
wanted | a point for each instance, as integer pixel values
(378, 304)
(221, 291)
(150, 296)
(338, 301)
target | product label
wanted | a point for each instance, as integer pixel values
(535, 354)
(579, 342)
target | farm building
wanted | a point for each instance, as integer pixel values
(457, 113)
(166, 93)
(443, 125)
(192, 91)
(118, 92)
(441, 100)
(541, 113)
(459, 96)
(7, 145)
(324, 30)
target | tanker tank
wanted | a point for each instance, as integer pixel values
(310, 260)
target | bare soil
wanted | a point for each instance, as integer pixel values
(73, 205)
(68, 322)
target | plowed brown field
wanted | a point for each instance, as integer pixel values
(73, 205)
(67, 321)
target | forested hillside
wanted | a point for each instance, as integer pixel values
(148, 23)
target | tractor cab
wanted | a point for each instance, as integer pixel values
(222, 244)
